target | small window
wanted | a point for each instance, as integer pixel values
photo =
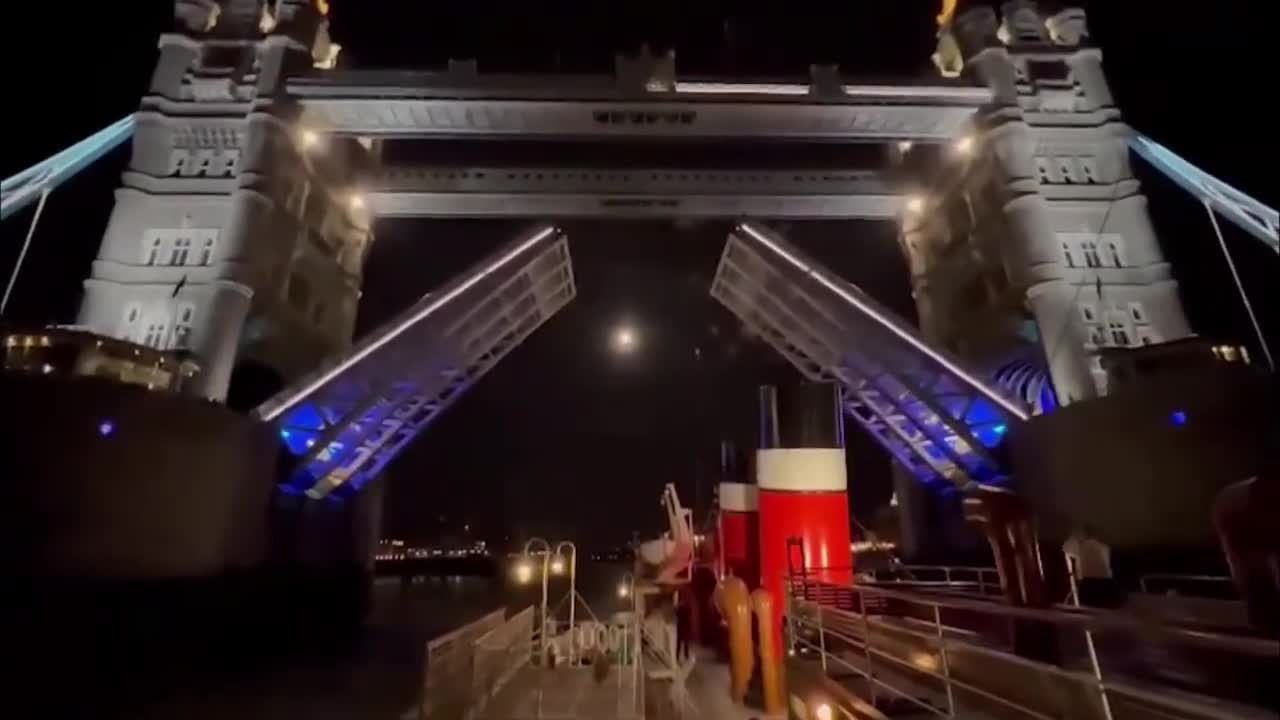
(183, 325)
(206, 252)
(1089, 169)
(1068, 255)
(178, 162)
(1067, 169)
(1147, 336)
(1091, 257)
(1137, 313)
(129, 321)
(1113, 253)
(155, 335)
(1089, 312)
(1096, 338)
(1120, 338)
(152, 247)
(181, 251)
(1045, 171)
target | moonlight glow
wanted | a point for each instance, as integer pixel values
(624, 339)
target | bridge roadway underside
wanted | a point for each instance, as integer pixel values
(487, 192)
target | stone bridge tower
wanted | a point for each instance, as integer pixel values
(1034, 249)
(235, 235)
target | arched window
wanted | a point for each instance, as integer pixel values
(151, 247)
(129, 322)
(182, 325)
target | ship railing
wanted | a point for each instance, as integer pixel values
(1185, 584)
(902, 647)
(983, 580)
(465, 668)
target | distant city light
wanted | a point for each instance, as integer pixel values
(106, 428)
(1179, 418)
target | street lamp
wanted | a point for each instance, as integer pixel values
(625, 586)
(524, 573)
(573, 586)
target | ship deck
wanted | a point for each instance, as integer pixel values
(567, 693)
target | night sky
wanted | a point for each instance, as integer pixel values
(565, 437)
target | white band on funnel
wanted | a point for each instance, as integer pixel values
(739, 497)
(801, 469)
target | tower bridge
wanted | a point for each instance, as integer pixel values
(250, 202)
(258, 173)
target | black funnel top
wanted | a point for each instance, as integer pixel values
(801, 415)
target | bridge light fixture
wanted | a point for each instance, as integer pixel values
(557, 566)
(964, 145)
(904, 146)
(823, 711)
(308, 139)
(356, 201)
(915, 204)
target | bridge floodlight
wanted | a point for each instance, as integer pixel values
(904, 146)
(308, 139)
(964, 145)
(356, 201)
(915, 204)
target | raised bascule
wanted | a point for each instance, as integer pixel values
(259, 171)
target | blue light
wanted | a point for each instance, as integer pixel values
(1179, 418)
(106, 427)
(1000, 429)
(284, 434)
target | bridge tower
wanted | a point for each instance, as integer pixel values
(235, 236)
(1034, 250)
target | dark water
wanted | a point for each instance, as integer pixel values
(330, 672)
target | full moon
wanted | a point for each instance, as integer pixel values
(624, 339)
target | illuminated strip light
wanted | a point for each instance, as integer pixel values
(1252, 216)
(722, 88)
(975, 95)
(889, 324)
(274, 408)
(20, 190)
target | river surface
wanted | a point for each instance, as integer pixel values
(376, 675)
